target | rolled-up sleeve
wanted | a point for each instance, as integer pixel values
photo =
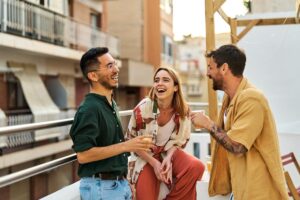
(84, 131)
(247, 123)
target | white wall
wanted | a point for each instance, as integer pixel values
(262, 6)
(273, 65)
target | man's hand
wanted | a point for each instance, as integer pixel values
(139, 143)
(200, 120)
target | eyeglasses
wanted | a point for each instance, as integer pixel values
(111, 65)
(108, 66)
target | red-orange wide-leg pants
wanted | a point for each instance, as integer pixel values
(186, 169)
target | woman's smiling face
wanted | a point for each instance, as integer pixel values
(164, 85)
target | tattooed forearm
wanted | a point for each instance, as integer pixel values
(225, 141)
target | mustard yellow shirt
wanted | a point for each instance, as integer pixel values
(257, 174)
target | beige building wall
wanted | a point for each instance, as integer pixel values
(137, 25)
(125, 20)
(81, 12)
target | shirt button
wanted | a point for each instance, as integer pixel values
(114, 112)
(117, 125)
(121, 140)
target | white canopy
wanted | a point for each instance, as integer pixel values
(36, 95)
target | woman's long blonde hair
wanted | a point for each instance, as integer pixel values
(178, 103)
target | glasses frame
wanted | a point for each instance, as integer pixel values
(108, 66)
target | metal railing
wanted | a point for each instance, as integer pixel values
(27, 173)
(21, 138)
(36, 22)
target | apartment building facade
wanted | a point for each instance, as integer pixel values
(191, 64)
(41, 43)
(145, 31)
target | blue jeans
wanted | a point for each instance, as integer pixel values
(97, 189)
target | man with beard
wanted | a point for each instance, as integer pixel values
(245, 158)
(97, 133)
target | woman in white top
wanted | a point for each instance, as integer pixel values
(167, 171)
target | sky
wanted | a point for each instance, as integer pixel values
(189, 17)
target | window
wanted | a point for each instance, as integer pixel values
(167, 46)
(196, 149)
(167, 49)
(44, 3)
(96, 20)
(16, 98)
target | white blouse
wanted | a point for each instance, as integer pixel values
(164, 132)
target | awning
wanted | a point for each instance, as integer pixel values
(136, 74)
(36, 95)
(2, 118)
(68, 83)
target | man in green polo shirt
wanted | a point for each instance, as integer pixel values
(245, 158)
(97, 133)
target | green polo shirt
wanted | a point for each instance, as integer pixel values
(97, 124)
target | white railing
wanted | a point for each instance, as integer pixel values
(19, 119)
(19, 138)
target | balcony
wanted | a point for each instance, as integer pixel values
(198, 146)
(27, 139)
(31, 21)
(71, 191)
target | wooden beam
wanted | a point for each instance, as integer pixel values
(217, 4)
(233, 31)
(248, 28)
(297, 11)
(223, 15)
(264, 22)
(210, 45)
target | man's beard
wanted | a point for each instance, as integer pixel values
(108, 86)
(217, 85)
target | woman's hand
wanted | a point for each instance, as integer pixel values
(157, 170)
(166, 169)
(166, 164)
